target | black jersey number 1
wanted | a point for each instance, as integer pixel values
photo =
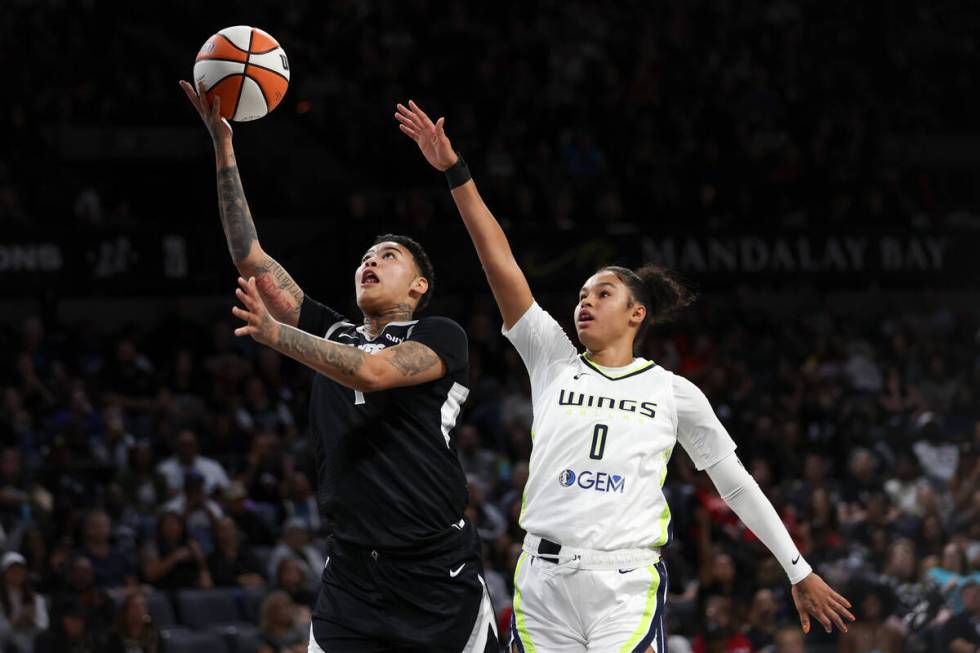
(598, 441)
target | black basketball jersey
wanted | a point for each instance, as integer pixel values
(387, 472)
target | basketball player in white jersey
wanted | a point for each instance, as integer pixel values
(605, 424)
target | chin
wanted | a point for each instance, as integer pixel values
(587, 339)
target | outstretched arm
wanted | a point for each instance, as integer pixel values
(281, 294)
(507, 281)
(810, 593)
(408, 363)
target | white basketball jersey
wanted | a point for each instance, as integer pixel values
(601, 439)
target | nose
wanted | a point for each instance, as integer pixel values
(371, 262)
(585, 302)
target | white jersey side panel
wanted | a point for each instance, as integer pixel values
(601, 442)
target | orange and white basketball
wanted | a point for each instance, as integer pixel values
(247, 68)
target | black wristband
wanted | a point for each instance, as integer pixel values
(458, 173)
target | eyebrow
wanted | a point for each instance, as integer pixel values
(601, 283)
(383, 249)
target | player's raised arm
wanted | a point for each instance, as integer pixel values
(507, 281)
(281, 294)
(405, 364)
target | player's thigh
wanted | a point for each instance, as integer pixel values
(636, 625)
(326, 637)
(543, 619)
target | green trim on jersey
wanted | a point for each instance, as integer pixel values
(585, 359)
(519, 616)
(648, 612)
(663, 523)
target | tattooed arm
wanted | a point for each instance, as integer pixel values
(281, 293)
(408, 363)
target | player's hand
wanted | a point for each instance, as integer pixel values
(430, 137)
(259, 323)
(218, 127)
(813, 596)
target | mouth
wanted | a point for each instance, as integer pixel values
(584, 317)
(369, 278)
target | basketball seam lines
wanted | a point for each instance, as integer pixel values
(221, 79)
(232, 43)
(251, 65)
(221, 59)
(241, 88)
(270, 70)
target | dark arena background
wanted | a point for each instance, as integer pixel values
(811, 168)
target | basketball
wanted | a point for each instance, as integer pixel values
(246, 68)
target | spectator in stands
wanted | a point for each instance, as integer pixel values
(952, 574)
(173, 560)
(253, 524)
(789, 640)
(146, 487)
(961, 634)
(296, 544)
(284, 627)
(485, 517)
(265, 469)
(188, 459)
(130, 382)
(904, 483)
(291, 578)
(113, 565)
(23, 612)
(200, 513)
(134, 630)
(300, 502)
(96, 605)
(232, 563)
(762, 623)
(70, 631)
(258, 412)
(116, 441)
(719, 633)
(14, 491)
(870, 633)
(476, 461)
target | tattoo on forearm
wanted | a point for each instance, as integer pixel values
(282, 295)
(411, 358)
(236, 219)
(319, 353)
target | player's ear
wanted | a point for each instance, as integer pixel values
(420, 286)
(638, 314)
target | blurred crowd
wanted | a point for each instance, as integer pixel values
(148, 461)
(145, 466)
(773, 111)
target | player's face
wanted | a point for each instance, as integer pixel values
(606, 311)
(386, 278)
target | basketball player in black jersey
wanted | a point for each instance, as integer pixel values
(403, 568)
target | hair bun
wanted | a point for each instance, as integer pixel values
(668, 295)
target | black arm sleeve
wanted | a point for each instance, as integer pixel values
(315, 318)
(446, 338)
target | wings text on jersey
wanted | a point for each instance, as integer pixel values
(582, 400)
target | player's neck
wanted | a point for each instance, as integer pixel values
(615, 355)
(373, 324)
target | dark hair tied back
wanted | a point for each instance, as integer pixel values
(657, 288)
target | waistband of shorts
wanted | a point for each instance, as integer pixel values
(445, 542)
(590, 558)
